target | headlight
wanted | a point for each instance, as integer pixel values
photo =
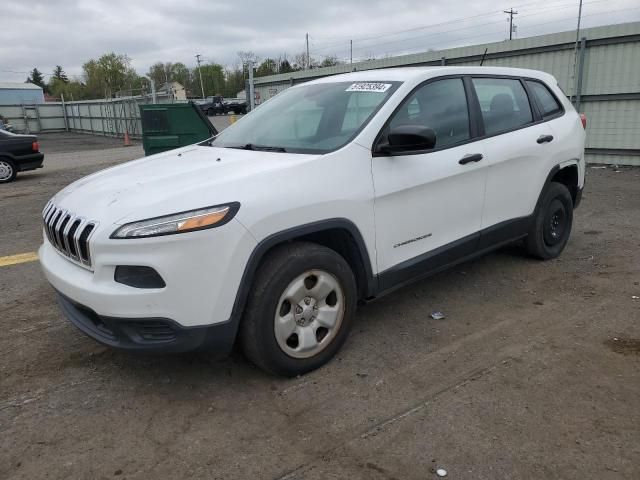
(179, 222)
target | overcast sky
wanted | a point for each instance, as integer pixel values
(45, 33)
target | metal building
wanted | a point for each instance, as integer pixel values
(20, 93)
(606, 86)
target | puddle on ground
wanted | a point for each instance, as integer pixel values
(625, 346)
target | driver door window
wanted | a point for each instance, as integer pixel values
(441, 106)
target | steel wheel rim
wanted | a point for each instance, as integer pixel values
(555, 224)
(6, 170)
(309, 314)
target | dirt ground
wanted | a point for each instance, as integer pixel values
(534, 372)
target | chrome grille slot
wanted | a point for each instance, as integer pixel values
(70, 238)
(52, 226)
(69, 233)
(83, 241)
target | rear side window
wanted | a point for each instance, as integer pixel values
(504, 104)
(547, 103)
(440, 105)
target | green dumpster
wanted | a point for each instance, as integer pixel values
(173, 125)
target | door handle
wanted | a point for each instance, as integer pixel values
(544, 138)
(474, 157)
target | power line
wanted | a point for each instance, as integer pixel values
(538, 11)
(497, 32)
(465, 28)
(458, 20)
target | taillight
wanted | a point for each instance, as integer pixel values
(35, 146)
(583, 119)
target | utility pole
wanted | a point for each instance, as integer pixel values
(351, 52)
(252, 90)
(200, 72)
(308, 58)
(575, 53)
(511, 12)
(154, 96)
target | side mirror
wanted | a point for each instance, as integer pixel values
(408, 138)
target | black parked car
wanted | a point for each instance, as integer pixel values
(236, 105)
(213, 106)
(18, 153)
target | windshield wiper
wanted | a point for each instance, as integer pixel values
(261, 148)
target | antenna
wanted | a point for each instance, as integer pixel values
(484, 55)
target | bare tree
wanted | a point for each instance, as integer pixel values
(248, 56)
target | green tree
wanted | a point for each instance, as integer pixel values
(267, 67)
(162, 73)
(212, 79)
(285, 66)
(234, 82)
(72, 90)
(110, 74)
(330, 61)
(36, 78)
(58, 73)
(181, 74)
(158, 73)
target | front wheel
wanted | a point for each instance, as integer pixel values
(7, 171)
(300, 309)
(552, 224)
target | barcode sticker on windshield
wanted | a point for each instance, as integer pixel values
(369, 87)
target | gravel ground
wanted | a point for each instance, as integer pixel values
(534, 372)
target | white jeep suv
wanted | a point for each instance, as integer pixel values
(335, 191)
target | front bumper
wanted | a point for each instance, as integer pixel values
(156, 335)
(202, 271)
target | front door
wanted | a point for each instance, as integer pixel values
(428, 204)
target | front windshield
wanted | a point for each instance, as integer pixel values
(315, 118)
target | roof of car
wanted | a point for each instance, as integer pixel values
(405, 74)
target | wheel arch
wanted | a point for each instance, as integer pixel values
(568, 175)
(338, 234)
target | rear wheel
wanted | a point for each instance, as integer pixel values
(300, 309)
(551, 228)
(211, 112)
(7, 170)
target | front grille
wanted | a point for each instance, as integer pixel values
(69, 233)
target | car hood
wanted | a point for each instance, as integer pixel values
(179, 180)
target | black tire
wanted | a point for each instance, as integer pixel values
(552, 224)
(278, 269)
(8, 170)
(211, 112)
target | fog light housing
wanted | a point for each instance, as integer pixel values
(138, 277)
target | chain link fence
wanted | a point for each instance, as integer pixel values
(108, 117)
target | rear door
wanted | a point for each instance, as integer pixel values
(428, 204)
(517, 144)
